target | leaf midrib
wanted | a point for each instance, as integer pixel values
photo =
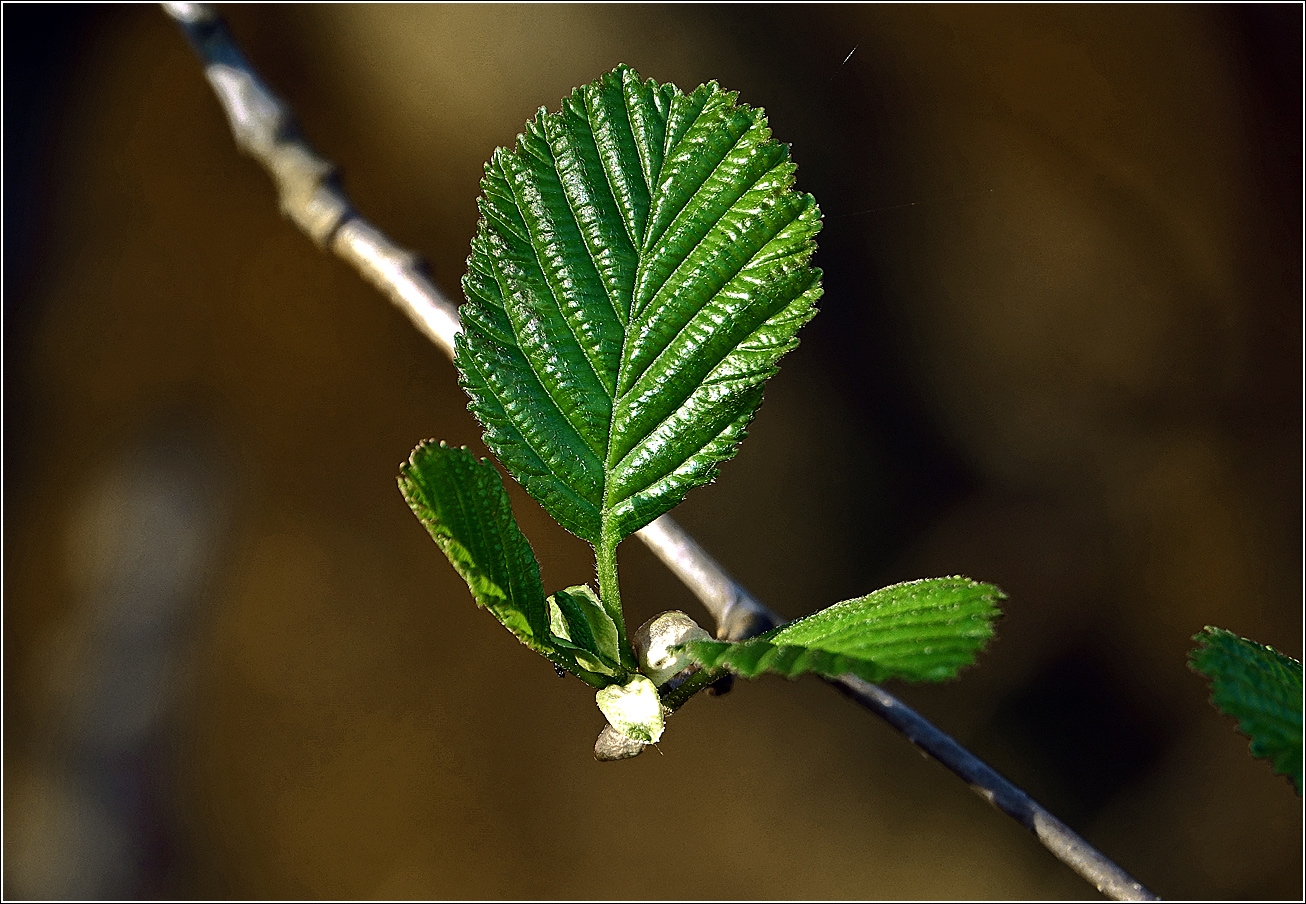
(614, 460)
(643, 256)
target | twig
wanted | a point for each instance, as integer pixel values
(312, 198)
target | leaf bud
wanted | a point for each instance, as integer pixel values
(633, 709)
(655, 638)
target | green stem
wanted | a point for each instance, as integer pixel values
(605, 556)
(696, 682)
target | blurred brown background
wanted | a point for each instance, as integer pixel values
(1059, 349)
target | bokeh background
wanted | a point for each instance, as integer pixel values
(1059, 349)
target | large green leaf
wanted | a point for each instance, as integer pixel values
(921, 631)
(462, 503)
(1262, 689)
(640, 265)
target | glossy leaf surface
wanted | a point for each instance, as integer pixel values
(923, 630)
(1262, 689)
(640, 265)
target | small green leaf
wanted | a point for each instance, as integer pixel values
(577, 619)
(462, 503)
(640, 265)
(1262, 689)
(923, 630)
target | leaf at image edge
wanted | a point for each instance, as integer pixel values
(1262, 689)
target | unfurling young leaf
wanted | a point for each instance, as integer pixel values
(578, 621)
(1262, 689)
(920, 631)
